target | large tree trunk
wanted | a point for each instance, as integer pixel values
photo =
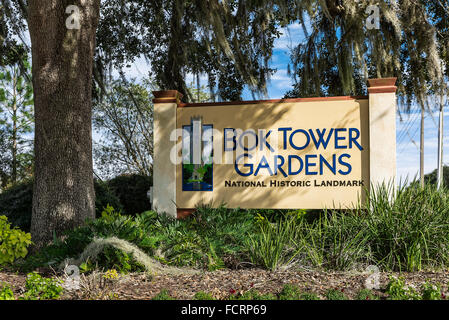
(62, 79)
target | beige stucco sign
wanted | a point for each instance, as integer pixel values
(295, 153)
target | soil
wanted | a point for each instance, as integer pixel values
(222, 283)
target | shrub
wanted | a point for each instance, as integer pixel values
(132, 190)
(163, 295)
(334, 294)
(16, 201)
(203, 296)
(104, 196)
(431, 291)
(206, 237)
(408, 231)
(112, 258)
(308, 296)
(13, 242)
(6, 293)
(431, 178)
(366, 294)
(405, 232)
(16, 204)
(289, 292)
(39, 288)
(292, 292)
(397, 290)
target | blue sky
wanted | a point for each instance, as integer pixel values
(407, 130)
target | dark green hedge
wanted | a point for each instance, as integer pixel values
(127, 193)
(16, 202)
(132, 192)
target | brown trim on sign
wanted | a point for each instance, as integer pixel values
(213, 104)
(382, 85)
(184, 213)
(167, 96)
(382, 89)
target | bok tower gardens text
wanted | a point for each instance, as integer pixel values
(298, 153)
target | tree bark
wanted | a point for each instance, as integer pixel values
(62, 80)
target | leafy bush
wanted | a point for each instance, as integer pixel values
(16, 204)
(104, 196)
(308, 296)
(205, 238)
(431, 178)
(397, 290)
(13, 242)
(406, 231)
(39, 288)
(119, 260)
(16, 201)
(431, 291)
(292, 292)
(132, 190)
(366, 294)
(6, 293)
(289, 292)
(334, 294)
(203, 296)
(163, 295)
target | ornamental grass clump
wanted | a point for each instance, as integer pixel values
(408, 227)
(273, 246)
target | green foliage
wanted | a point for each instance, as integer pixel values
(366, 294)
(309, 296)
(13, 242)
(327, 64)
(397, 290)
(6, 292)
(271, 247)
(334, 240)
(208, 236)
(16, 201)
(205, 239)
(119, 260)
(16, 122)
(131, 190)
(104, 196)
(290, 292)
(410, 231)
(405, 232)
(16, 204)
(431, 178)
(163, 295)
(334, 294)
(203, 296)
(40, 288)
(431, 291)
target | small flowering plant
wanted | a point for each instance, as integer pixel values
(111, 274)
